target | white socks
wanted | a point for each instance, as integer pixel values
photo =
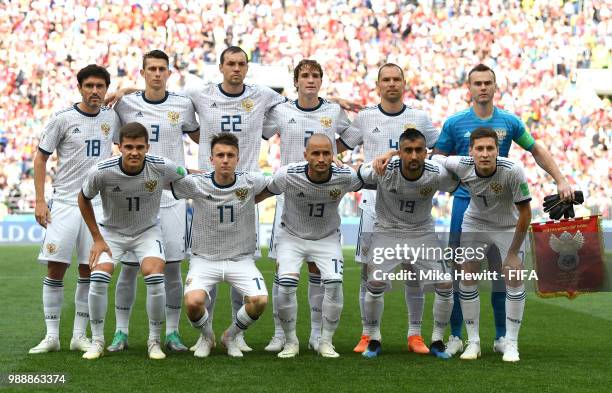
(442, 310)
(315, 301)
(81, 307)
(125, 294)
(415, 300)
(287, 307)
(374, 305)
(515, 305)
(174, 295)
(470, 306)
(242, 322)
(98, 303)
(333, 301)
(156, 301)
(53, 298)
(278, 328)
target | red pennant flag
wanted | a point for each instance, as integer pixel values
(568, 256)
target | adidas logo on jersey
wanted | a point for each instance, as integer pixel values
(116, 189)
(301, 195)
(139, 114)
(375, 130)
(209, 197)
(292, 121)
(214, 105)
(467, 134)
(76, 131)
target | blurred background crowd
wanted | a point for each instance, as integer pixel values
(534, 46)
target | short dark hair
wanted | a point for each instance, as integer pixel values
(483, 132)
(155, 54)
(224, 138)
(481, 68)
(306, 63)
(232, 49)
(93, 70)
(412, 134)
(389, 65)
(132, 131)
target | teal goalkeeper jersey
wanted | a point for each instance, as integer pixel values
(456, 131)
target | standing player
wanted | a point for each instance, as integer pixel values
(233, 106)
(380, 127)
(82, 136)
(455, 138)
(403, 209)
(498, 215)
(296, 122)
(166, 116)
(223, 241)
(310, 230)
(131, 190)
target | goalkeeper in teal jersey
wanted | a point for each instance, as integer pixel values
(455, 139)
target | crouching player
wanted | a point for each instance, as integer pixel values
(404, 198)
(499, 215)
(223, 242)
(310, 230)
(131, 188)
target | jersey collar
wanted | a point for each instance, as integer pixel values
(486, 177)
(222, 186)
(411, 180)
(155, 102)
(391, 114)
(131, 174)
(309, 109)
(230, 94)
(76, 107)
(320, 181)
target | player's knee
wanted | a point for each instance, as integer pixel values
(258, 303)
(106, 267)
(444, 285)
(512, 275)
(312, 268)
(152, 266)
(194, 303)
(84, 271)
(56, 270)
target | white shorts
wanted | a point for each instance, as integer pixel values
(500, 238)
(326, 253)
(364, 236)
(147, 244)
(171, 219)
(241, 274)
(66, 231)
(278, 213)
(424, 256)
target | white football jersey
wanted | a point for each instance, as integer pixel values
(81, 141)
(131, 201)
(224, 216)
(295, 125)
(166, 120)
(379, 132)
(404, 205)
(242, 114)
(310, 210)
(492, 197)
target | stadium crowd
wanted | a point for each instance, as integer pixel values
(534, 46)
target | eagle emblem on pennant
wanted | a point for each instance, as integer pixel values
(425, 191)
(173, 117)
(150, 185)
(497, 188)
(51, 248)
(335, 194)
(326, 121)
(567, 247)
(248, 104)
(242, 193)
(105, 127)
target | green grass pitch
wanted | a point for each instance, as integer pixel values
(564, 346)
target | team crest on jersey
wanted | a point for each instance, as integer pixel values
(51, 248)
(105, 127)
(409, 125)
(425, 191)
(150, 185)
(173, 117)
(188, 282)
(247, 104)
(335, 194)
(497, 188)
(326, 121)
(501, 134)
(242, 193)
